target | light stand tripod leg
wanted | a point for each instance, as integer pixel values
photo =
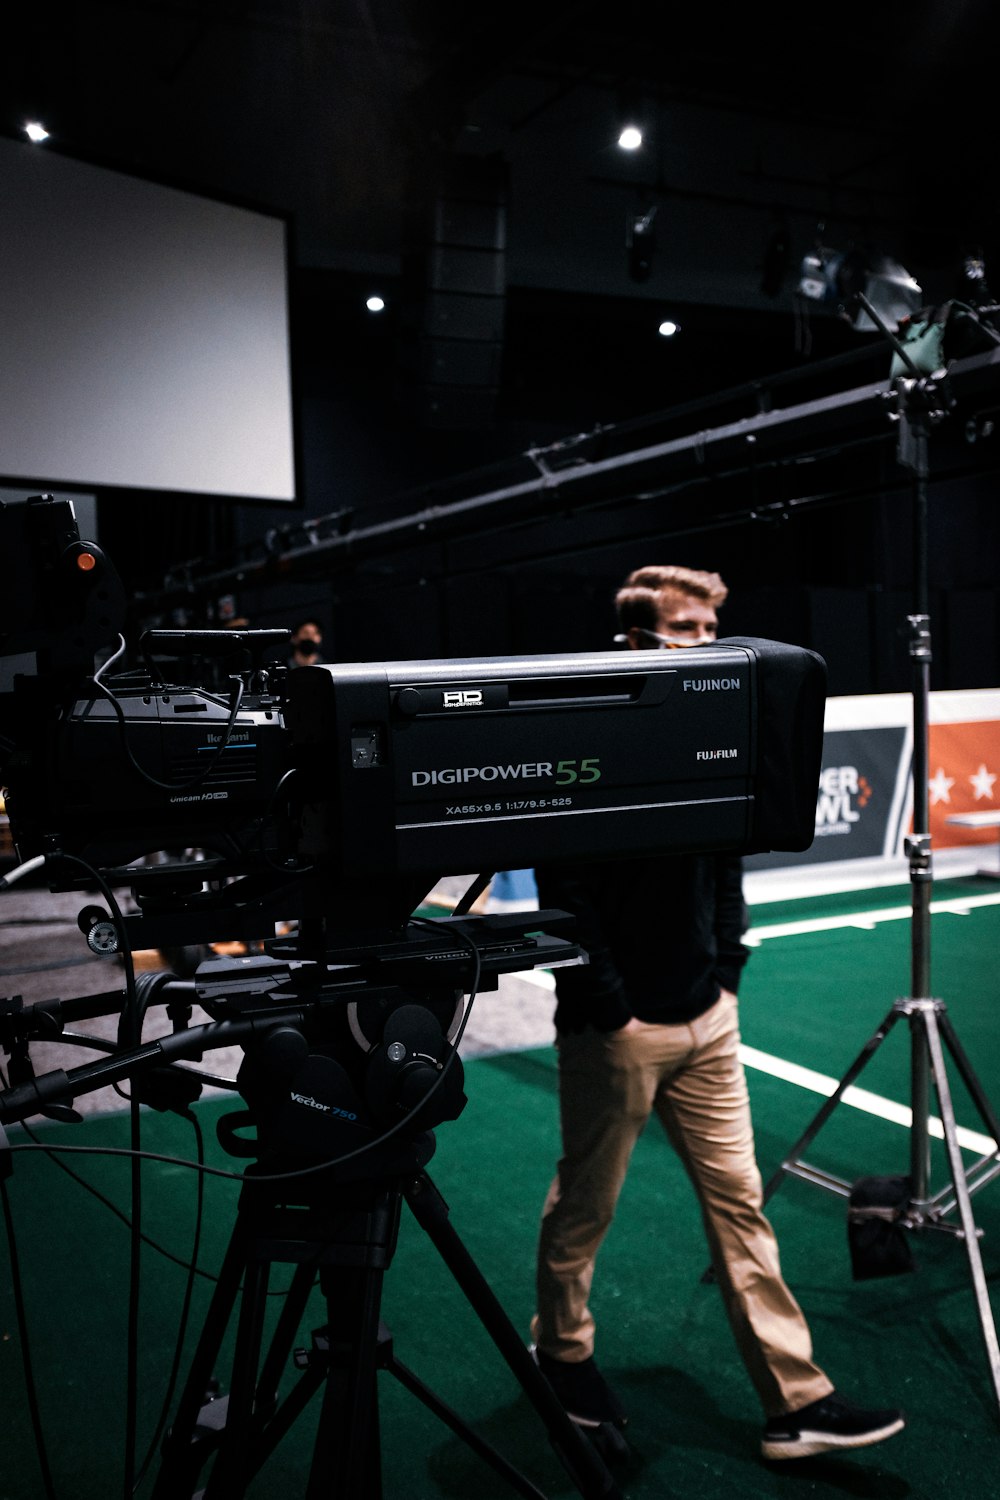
(964, 1203)
(920, 1101)
(988, 1165)
(969, 1078)
(577, 1455)
(792, 1163)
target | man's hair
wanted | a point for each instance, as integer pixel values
(309, 620)
(638, 599)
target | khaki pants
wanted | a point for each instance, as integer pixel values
(692, 1076)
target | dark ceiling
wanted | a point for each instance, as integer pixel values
(863, 124)
(858, 123)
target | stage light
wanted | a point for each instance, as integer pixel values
(668, 328)
(835, 277)
(375, 304)
(36, 132)
(631, 115)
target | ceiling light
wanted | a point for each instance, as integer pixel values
(668, 328)
(375, 304)
(631, 115)
(35, 131)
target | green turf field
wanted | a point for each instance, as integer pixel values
(812, 996)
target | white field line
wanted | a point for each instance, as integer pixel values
(872, 1104)
(819, 1083)
(865, 920)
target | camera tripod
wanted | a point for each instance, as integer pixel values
(931, 1031)
(315, 1082)
(346, 1234)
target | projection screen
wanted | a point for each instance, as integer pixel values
(144, 332)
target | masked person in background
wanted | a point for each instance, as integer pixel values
(306, 644)
(651, 1024)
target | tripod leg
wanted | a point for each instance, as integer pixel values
(182, 1451)
(280, 1348)
(451, 1419)
(969, 1078)
(233, 1469)
(346, 1457)
(577, 1455)
(920, 1097)
(790, 1163)
(964, 1203)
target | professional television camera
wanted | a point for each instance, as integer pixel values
(312, 780)
(331, 799)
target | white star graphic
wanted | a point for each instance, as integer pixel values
(940, 786)
(982, 784)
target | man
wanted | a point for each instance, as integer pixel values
(651, 1024)
(306, 644)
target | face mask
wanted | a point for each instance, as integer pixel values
(307, 648)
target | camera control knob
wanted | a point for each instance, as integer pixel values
(99, 930)
(396, 1051)
(103, 938)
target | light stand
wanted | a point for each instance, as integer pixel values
(922, 401)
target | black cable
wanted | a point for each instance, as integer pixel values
(120, 1214)
(147, 776)
(269, 809)
(171, 1161)
(133, 1028)
(190, 1266)
(168, 1398)
(17, 1288)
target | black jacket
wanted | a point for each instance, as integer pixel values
(663, 936)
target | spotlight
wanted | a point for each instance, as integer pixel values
(36, 132)
(668, 328)
(375, 304)
(836, 277)
(631, 115)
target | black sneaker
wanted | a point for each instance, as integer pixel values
(581, 1390)
(826, 1426)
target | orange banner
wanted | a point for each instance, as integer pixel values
(964, 777)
